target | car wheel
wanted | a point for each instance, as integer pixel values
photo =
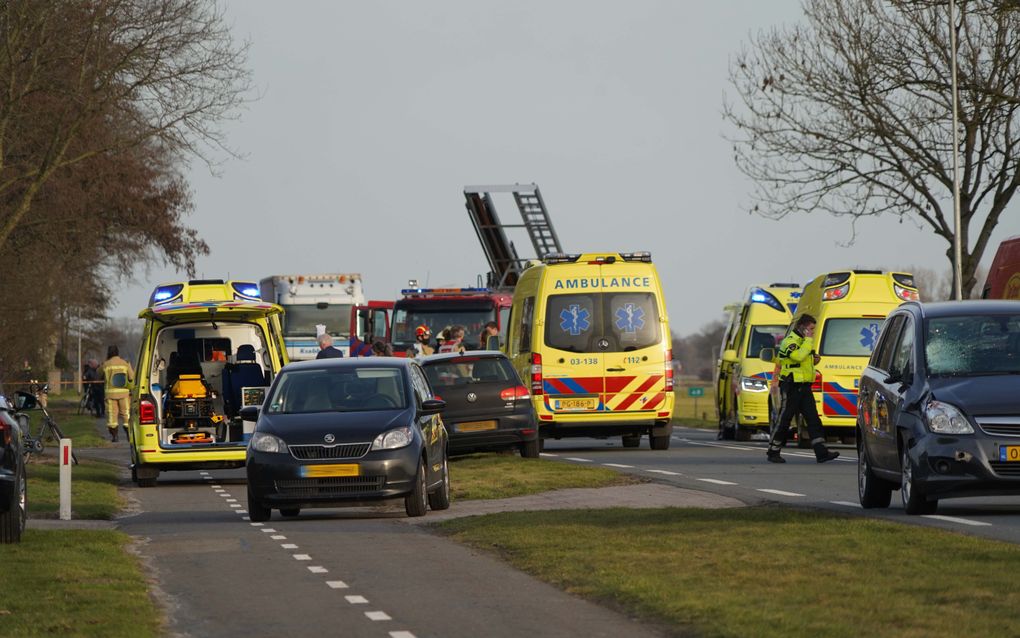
(631, 440)
(416, 503)
(872, 491)
(741, 434)
(659, 442)
(530, 449)
(147, 481)
(12, 522)
(440, 499)
(914, 501)
(290, 512)
(541, 444)
(257, 512)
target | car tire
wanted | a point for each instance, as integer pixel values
(741, 434)
(914, 501)
(257, 512)
(872, 491)
(416, 503)
(147, 482)
(659, 442)
(631, 440)
(290, 512)
(12, 522)
(530, 449)
(541, 444)
(440, 499)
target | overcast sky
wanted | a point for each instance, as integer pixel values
(373, 116)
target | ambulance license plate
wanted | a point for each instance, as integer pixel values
(476, 426)
(570, 405)
(1009, 453)
(323, 471)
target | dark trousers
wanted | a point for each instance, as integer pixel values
(797, 398)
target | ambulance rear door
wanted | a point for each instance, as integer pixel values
(573, 366)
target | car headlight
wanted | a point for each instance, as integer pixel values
(946, 419)
(393, 439)
(753, 384)
(263, 442)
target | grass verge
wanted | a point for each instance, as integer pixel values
(93, 489)
(695, 413)
(74, 583)
(764, 571)
(80, 428)
(488, 476)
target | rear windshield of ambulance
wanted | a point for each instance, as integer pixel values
(577, 322)
(850, 337)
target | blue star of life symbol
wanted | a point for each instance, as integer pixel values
(630, 318)
(869, 336)
(575, 319)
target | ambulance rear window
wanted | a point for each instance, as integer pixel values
(850, 337)
(578, 322)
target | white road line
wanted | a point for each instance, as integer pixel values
(246, 518)
(257, 524)
(318, 569)
(377, 615)
(547, 454)
(579, 460)
(618, 465)
(779, 492)
(356, 600)
(278, 537)
(401, 634)
(846, 504)
(717, 481)
(336, 584)
(235, 505)
(954, 519)
(302, 557)
(220, 490)
(225, 495)
(288, 545)
(243, 512)
(267, 530)
(231, 500)
(666, 472)
(215, 487)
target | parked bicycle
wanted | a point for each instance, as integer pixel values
(48, 429)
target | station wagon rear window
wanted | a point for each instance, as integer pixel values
(850, 337)
(577, 322)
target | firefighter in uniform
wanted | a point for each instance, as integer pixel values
(117, 374)
(797, 358)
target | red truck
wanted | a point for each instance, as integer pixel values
(439, 308)
(1003, 280)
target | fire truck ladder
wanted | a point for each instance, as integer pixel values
(505, 263)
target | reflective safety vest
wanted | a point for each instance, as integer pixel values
(451, 346)
(795, 357)
(117, 374)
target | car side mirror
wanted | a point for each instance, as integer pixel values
(432, 406)
(492, 343)
(729, 356)
(768, 355)
(249, 413)
(24, 400)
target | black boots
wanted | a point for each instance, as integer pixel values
(113, 434)
(823, 454)
(774, 458)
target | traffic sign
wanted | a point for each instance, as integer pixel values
(694, 393)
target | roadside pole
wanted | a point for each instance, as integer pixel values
(65, 479)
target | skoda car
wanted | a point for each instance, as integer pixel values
(938, 415)
(338, 432)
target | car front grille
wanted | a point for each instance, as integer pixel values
(334, 486)
(338, 451)
(1000, 425)
(1004, 468)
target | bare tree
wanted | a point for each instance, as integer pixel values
(850, 114)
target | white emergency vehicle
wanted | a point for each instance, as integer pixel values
(311, 300)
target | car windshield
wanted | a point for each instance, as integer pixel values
(465, 370)
(973, 345)
(472, 316)
(338, 390)
(301, 319)
(850, 337)
(762, 337)
(578, 322)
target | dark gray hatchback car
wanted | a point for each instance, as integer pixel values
(939, 405)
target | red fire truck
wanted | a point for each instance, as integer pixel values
(439, 308)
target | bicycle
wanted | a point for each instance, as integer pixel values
(48, 428)
(89, 403)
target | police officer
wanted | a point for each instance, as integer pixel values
(117, 374)
(797, 358)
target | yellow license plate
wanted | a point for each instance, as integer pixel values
(1009, 453)
(476, 426)
(575, 404)
(320, 471)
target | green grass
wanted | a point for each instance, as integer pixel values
(688, 412)
(766, 571)
(93, 489)
(74, 583)
(80, 428)
(488, 476)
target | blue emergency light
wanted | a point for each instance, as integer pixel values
(164, 294)
(762, 296)
(246, 289)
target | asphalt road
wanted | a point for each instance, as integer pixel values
(697, 460)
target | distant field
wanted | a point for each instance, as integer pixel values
(698, 412)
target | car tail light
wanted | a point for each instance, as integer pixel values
(515, 394)
(906, 294)
(146, 412)
(536, 374)
(832, 294)
(669, 370)
(5, 432)
(817, 385)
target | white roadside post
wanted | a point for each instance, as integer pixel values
(65, 479)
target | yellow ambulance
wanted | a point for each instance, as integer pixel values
(591, 334)
(759, 323)
(209, 348)
(850, 307)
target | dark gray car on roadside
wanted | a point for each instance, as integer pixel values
(487, 405)
(13, 481)
(939, 405)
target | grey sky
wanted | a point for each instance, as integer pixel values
(374, 115)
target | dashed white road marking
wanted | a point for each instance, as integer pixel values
(235, 505)
(267, 530)
(847, 504)
(288, 545)
(578, 460)
(243, 512)
(231, 500)
(377, 615)
(618, 465)
(302, 557)
(317, 569)
(220, 490)
(778, 492)
(336, 584)
(547, 454)
(278, 537)
(716, 481)
(666, 472)
(956, 519)
(356, 600)
(257, 524)
(401, 634)
(246, 518)
(215, 487)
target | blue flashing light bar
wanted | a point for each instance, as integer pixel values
(165, 294)
(445, 291)
(246, 289)
(762, 296)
